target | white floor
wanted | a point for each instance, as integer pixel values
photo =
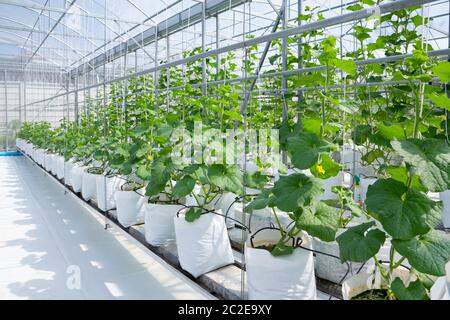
(46, 237)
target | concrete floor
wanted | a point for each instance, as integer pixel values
(54, 247)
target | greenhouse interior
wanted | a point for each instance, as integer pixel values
(224, 150)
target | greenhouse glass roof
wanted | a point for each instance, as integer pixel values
(69, 33)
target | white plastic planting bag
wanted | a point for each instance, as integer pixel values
(328, 184)
(54, 164)
(76, 177)
(60, 167)
(203, 245)
(445, 198)
(129, 205)
(88, 186)
(439, 291)
(331, 268)
(106, 188)
(68, 172)
(48, 161)
(227, 204)
(371, 279)
(364, 186)
(159, 223)
(289, 277)
(39, 156)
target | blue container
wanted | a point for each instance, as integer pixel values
(10, 154)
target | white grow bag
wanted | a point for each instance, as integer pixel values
(49, 161)
(106, 188)
(203, 245)
(29, 149)
(68, 167)
(39, 156)
(364, 186)
(365, 281)
(60, 161)
(329, 183)
(227, 204)
(289, 277)
(88, 186)
(54, 164)
(129, 206)
(445, 198)
(440, 290)
(331, 268)
(159, 223)
(76, 177)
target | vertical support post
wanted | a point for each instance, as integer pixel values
(20, 101)
(24, 96)
(300, 65)
(104, 119)
(155, 76)
(217, 47)
(125, 89)
(6, 111)
(168, 73)
(284, 60)
(447, 85)
(203, 47)
(77, 108)
(67, 96)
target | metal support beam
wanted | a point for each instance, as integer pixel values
(361, 14)
(36, 6)
(261, 63)
(173, 24)
(51, 30)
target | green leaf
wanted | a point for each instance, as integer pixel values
(255, 179)
(401, 174)
(348, 66)
(183, 187)
(355, 7)
(143, 151)
(403, 213)
(193, 214)
(431, 160)
(261, 201)
(391, 132)
(228, 178)
(234, 115)
(348, 106)
(415, 290)
(159, 177)
(282, 250)
(442, 70)
(141, 130)
(373, 155)
(359, 245)
(143, 172)
(305, 149)
(296, 190)
(361, 133)
(428, 253)
(326, 168)
(417, 20)
(440, 100)
(322, 222)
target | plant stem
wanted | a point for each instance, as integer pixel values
(278, 222)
